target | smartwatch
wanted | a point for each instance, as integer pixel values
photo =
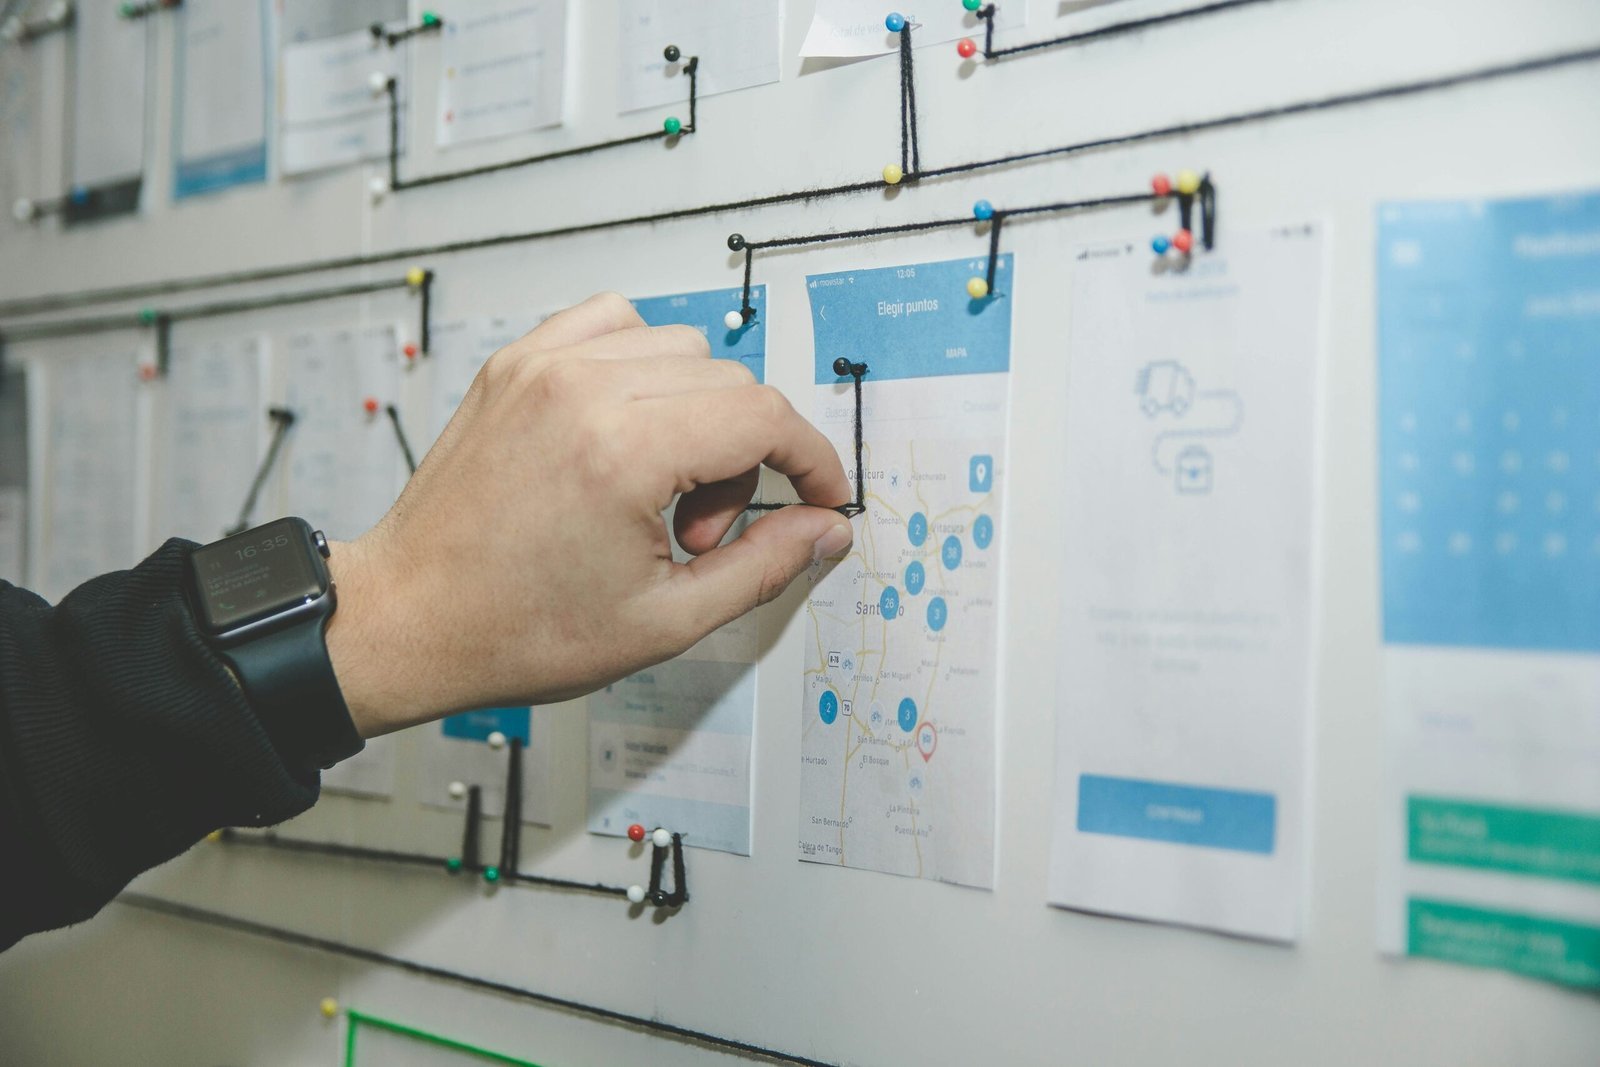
(263, 599)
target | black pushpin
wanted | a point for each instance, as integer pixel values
(736, 242)
(671, 53)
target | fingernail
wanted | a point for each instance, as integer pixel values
(835, 541)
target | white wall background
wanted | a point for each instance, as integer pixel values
(838, 964)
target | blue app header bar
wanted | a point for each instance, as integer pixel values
(705, 311)
(915, 321)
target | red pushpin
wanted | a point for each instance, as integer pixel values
(147, 372)
(636, 832)
(371, 405)
(927, 740)
(410, 350)
(1161, 185)
(966, 48)
(1183, 241)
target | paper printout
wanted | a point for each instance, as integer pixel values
(1489, 426)
(211, 439)
(220, 129)
(670, 746)
(1187, 583)
(343, 463)
(737, 42)
(331, 116)
(501, 69)
(88, 472)
(851, 28)
(108, 96)
(902, 671)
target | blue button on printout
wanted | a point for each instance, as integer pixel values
(1181, 814)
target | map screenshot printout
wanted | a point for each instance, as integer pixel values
(1489, 465)
(899, 697)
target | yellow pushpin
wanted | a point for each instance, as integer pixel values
(1188, 182)
(892, 174)
(329, 1007)
(977, 288)
(214, 836)
(416, 275)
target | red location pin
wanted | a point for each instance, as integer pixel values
(927, 740)
(371, 405)
(636, 832)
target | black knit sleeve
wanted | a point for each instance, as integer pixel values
(123, 740)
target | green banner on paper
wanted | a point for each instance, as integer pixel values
(1551, 949)
(1543, 844)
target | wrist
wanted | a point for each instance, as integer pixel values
(385, 683)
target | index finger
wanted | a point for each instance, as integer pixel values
(597, 316)
(718, 434)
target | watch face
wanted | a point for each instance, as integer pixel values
(257, 574)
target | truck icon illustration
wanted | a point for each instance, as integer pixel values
(1186, 414)
(1164, 385)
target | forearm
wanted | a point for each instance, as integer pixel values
(123, 740)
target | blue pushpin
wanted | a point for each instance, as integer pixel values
(79, 195)
(1159, 246)
(895, 22)
(983, 211)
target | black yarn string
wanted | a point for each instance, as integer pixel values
(910, 76)
(282, 420)
(511, 824)
(425, 333)
(110, 294)
(473, 832)
(691, 69)
(133, 320)
(856, 371)
(905, 101)
(470, 860)
(680, 886)
(174, 910)
(1115, 29)
(394, 37)
(995, 222)
(400, 436)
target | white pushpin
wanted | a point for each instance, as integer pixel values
(497, 740)
(58, 12)
(636, 894)
(660, 838)
(378, 188)
(11, 29)
(458, 789)
(22, 210)
(733, 320)
(378, 82)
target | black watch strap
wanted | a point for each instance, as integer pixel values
(289, 680)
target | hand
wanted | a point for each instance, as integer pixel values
(527, 561)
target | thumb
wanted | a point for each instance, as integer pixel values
(759, 564)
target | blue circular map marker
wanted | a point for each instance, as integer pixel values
(915, 576)
(982, 531)
(951, 553)
(828, 707)
(908, 715)
(917, 528)
(889, 603)
(937, 614)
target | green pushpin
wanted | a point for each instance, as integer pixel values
(148, 315)
(430, 19)
(127, 11)
(972, 5)
(672, 126)
(453, 864)
(491, 874)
